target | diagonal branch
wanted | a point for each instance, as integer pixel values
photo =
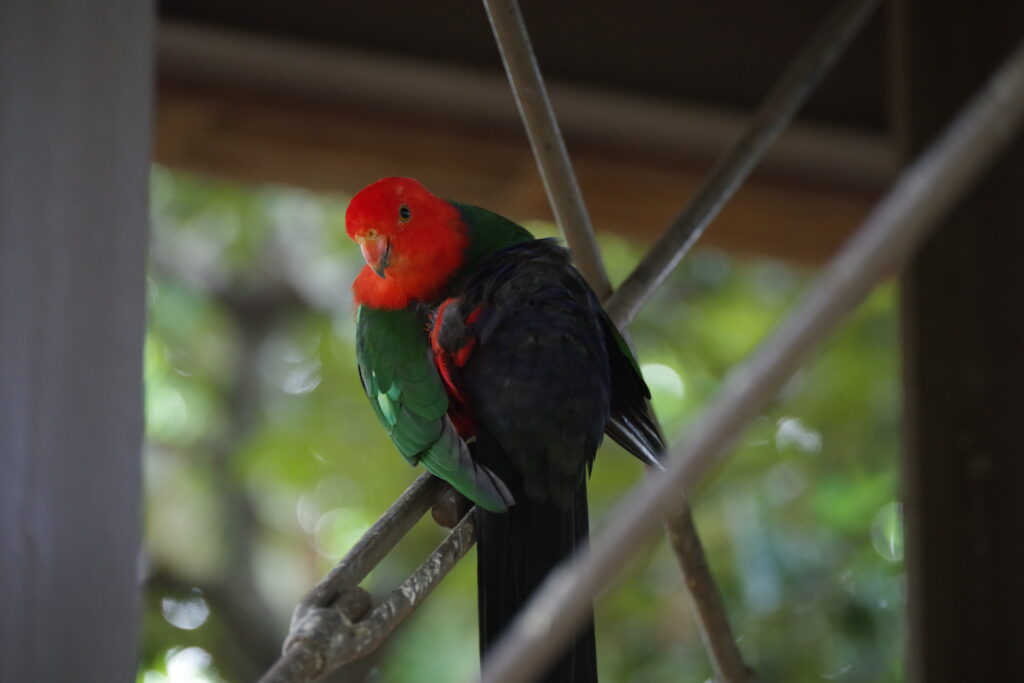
(377, 542)
(776, 112)
(924, 193)
(321, 635)
(563, 192)
(546, 140)
(801, 78)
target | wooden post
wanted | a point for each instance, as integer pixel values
(963, 354)
(75, 97)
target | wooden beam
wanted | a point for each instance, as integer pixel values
(331, 119)
(963, 335)
(74, 129)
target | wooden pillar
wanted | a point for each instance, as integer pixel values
(963, 354)
(75, 98)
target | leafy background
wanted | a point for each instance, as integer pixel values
(264, 463)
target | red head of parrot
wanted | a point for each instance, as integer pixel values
(411, 240)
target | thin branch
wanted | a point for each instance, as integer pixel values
(325, 637)
(719, 641)
(801, 78)
(320, 637)
(923, 194)
(375, 544)
(546, 140)
(553, 160)
(567, 202)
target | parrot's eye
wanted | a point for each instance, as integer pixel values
(404, 213)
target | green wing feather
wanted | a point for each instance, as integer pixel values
(398, 374)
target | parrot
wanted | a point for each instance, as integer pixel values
(489, 360)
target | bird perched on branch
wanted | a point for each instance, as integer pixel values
(490, 361)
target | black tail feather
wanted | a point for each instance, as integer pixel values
(631, 423)
(515, 552)
(642, 442)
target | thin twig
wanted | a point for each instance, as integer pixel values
(715, 631)
(924, 193)
(335, 602)
(800, 80)
(369, 633)
(325, 637)
(375, 544)
(773, 116)
(556, 171)
(567, 202)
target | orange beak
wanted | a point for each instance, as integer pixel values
(376, 253)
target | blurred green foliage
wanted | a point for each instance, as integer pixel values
(264, 462)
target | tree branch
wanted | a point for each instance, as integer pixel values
(924, 192)
(552, 158)
(549, 150)
(326, 636)
(715, 631)
(328, 628)
(375, 544)
(827, 44)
